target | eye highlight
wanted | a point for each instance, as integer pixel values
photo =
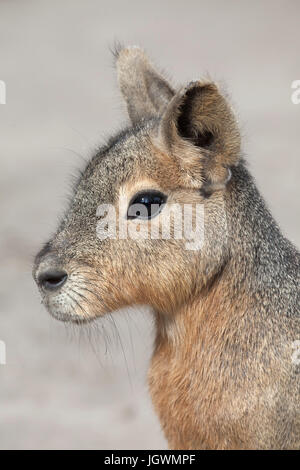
(146, 204)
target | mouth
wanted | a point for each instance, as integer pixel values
(65, 311)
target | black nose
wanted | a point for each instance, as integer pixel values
(52, 279)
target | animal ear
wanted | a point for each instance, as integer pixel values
(200, 129)
(145, 91)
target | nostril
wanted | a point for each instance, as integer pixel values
(52, 279)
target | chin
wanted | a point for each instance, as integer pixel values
(68, 315)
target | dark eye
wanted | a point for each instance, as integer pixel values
(146, 205)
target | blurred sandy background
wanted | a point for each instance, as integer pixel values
(62, 388)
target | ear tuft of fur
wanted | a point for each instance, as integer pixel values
(115, 49)
(129, 54)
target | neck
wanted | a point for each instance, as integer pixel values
(210, 309)
(257, 261)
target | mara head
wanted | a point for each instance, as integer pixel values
(147, 221)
